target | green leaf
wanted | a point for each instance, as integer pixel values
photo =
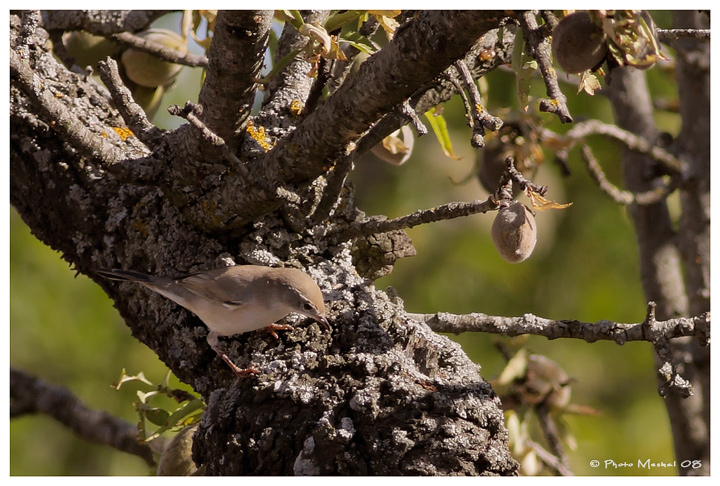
(439, 126)
(342, 18)
(166, 381)
(273, 41)
(186, 410)
(185, 415)
(278, 66)
(360, 43)
(125, 378)
(157, 416)
(297, 21)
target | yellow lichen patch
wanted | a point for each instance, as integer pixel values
(123, 132)
(258, 134)
(141, 227)
(296, 107)
(487, 54)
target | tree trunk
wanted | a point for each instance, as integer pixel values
(667, 255)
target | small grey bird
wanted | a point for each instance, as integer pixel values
(237, 299)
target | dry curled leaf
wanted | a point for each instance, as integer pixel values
(589, 83)
(335, 51)
(197, 17)
(386, 20)
(541, 204)
(397, 147)
(319, 35)
(632, 36)
(394, 144)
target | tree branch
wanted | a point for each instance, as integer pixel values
(236, 57)
(132, 113)
(659, 333)
(379, 224)
(479, 118)
(690, 418)
(637, 143)
(552, 436)
(60, 118)
(489, 53)
(30, 395)
(652, 196)
(335, 183)
(540, 47)
(420, 51)
(288, 90)
(590, 332)
(665, 35)
(191, 113)
(100, 22)
(161, 51)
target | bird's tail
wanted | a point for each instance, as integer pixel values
(124, 275)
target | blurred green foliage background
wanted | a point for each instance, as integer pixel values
(65, 330)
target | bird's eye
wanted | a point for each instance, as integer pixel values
(308, 306)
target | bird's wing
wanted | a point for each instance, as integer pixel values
(212, 288)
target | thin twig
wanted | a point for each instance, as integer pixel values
(552, 436)
(480, 118)
(504, 193)
(671, 380)
(29, 395)
(664, 35)
(132, 113)
(323, 77)
(379, 224)
(408, 112)
(667, 161)
(463, 96)
(190, 112)
(335, 182)
(540, 49)
(548, 459)
(161, 51)
(625, 197)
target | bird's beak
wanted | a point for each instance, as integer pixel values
(322, 320)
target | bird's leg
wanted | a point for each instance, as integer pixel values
(277, 327)
(212, 339)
